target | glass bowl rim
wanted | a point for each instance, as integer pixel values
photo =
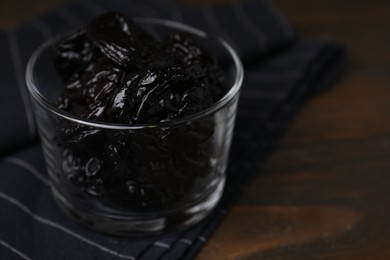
(233, 90)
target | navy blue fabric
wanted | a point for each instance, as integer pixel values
(281, 72)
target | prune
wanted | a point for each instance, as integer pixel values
(157, 96)
(198, 62)
(87, 95)
(72, 54)
(115, 72)
(121, 41)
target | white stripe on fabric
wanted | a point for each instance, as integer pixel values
(19, 74)
(161, 244)
(29, 168)
(186, 241)
(249, 26)
(14, 250)
(57, 226)
(212, 22)
(202, 238)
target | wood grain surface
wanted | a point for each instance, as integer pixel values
(325, 190)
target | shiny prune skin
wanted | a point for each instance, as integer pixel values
(121, 74)
(158, 96)
(87, 95)
(121, 41)
(198, 62)
(72, 54)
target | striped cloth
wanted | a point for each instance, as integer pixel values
(281, 72)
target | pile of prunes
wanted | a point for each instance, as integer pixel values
(117, 73)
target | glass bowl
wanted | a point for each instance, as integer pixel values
(141, 179)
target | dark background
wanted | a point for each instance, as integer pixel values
(325, 191)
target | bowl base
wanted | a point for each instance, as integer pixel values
(139, 224)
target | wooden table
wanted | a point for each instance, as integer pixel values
(325, 191)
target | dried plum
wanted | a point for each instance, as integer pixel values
(73, 54)
(121, 41)
(87, 95)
